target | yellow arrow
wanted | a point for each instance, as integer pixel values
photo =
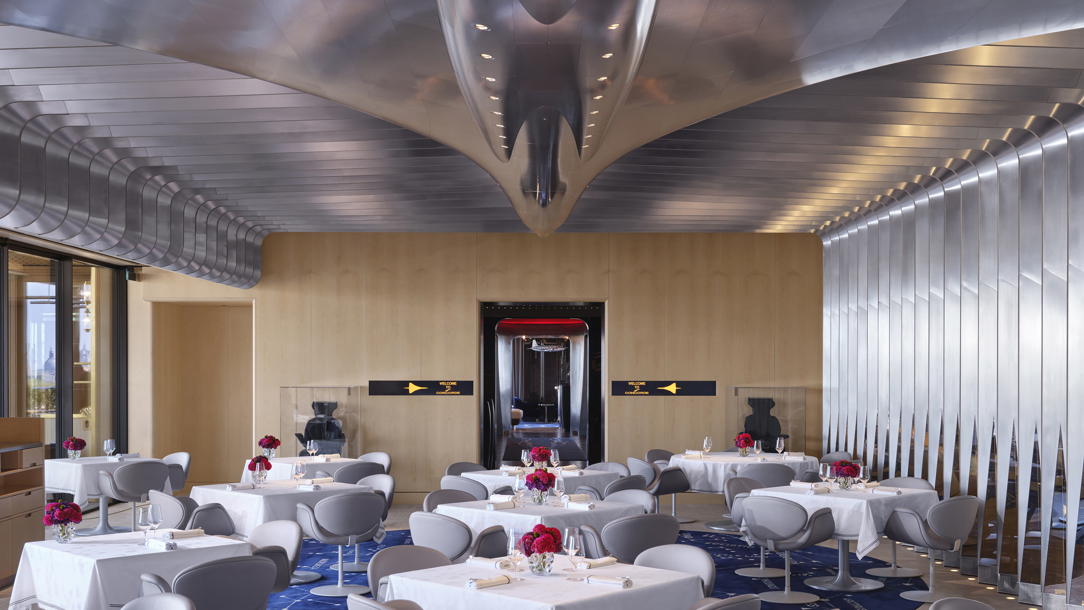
(411, 388)
(672, 388)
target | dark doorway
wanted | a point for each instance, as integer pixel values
(544, 382)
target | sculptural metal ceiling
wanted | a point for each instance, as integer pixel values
(160, 158)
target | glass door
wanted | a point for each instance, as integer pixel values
(92, 355)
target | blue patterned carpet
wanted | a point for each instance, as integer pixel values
(729, 551)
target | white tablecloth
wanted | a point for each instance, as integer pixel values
(708, 475)
(475, 515)
(281, 468)
(274, 501)
(859, 515)
(102, 572)
(445, 587)
(79, 477)
(598, 479)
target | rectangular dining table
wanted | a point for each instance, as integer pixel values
(282, 468)
(495, 479)
(102, 572)
(710, 474)
(79, 477)
(477, 518)
(445, 587)
(273, 501)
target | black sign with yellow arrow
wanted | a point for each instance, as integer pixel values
(663, 388)
(421, 388)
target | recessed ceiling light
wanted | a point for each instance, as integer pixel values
(481, 27)
(602, 78)
(499, 125)
(594, 112)
(607, 56)
(598, 97)
(491, 79)
(503, 137)
(503, 146)
(614, 26)
(498, 113)
(587, 136)
(494, 97)
(586, 145)
(591, 125)
(486, 56)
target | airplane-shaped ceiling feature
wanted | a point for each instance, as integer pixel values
(180, 133)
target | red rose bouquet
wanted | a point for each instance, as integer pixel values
(62, 516)
(540, 482)
(743, 441)
(541, 539)
(845, 469)
(74, 445)
(269, 442)
(254, 463)
(540, 455)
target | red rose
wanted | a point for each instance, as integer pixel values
(539, 529)
(544, 544)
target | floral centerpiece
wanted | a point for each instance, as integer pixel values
(540, 455)
(63, 516)
(539, 545)
(846, 473)
(75, 446)
(269, 444)
(743, 442)
(259, 466)
(540, 482)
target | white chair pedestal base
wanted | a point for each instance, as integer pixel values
(300, 577)
(930, 596)
(722, 526)
(355, 566)
(786, 596)
(340, 590)
(893, 571)
(762, 571)
(103, 522)
(673, 511)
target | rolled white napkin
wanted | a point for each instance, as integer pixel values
(161, 545)
(317, 481)
(501, 498)
(871, 484)
(500, 505)
(816, 490)
(692, 456)
(578, 497)
(304, 487)
(482, 583)
(610, 581)
(507, 467)
(173, 534)
(590, 564)
(128, 455)
(890, 491)
(581, 505)
(514, 473)
(501, 563)
(793, 458)
(692, 451)
(563, 470)
(238, 486)
(321, 458)
(114, 458)
(804, 485)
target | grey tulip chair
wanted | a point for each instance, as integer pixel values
(945, 527)
(592, 543)
(343, 520)
(770, 475)
(459, 468)
(595, 494)
(738, 602)
(660, 457)
(490, 542)
(213, 585)
(176, 510)
(450, 536)
(737, 490)
(620, 469)
(627, 537)
(835, 456)
(470, 486)
(160, 601)
(383, 485)
(352, 473)
(630, 482)
(672, 481)
(954, 603)
(213, 519)
(273, 536)
(634, 496)
(132, 483)
(434, 499)
(681, 558)
(178, 463)
(357, 602)
(894, 571)
(396, 559)
(782, 525)
(380, 458)
(649, 471)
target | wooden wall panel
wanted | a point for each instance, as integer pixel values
(561, 267)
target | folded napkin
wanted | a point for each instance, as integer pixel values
(871, 484)
(566, 468)
(304, 487)
(581, 505)
(237, 486)
(500, 505)
(590, 564)
(161, 545)
(172, 534)
(512, 473)
(816, 490)
(793, 458)
(114, 458)
(321, 458)
(691, 451)
(128, 455)
(317, 481)
(482, 583)
(892, 491)
(618, 582)
(804, 485)
(501, 563)
(501, 498)
(578, 497)
(692, 456)
(507, 467)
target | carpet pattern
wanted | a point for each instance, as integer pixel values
(729, 551)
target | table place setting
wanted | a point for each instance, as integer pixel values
(282, 468)
(478, 514)
(708, 472)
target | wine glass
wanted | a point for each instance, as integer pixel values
(515, 550)
(519, 488)
(832, 475)
(559, 489)
(109, 446)
(707, 444)
(780, 445)
(575, 552)
(298, 471)
(143, 520)
(570, 533)
(525, 457)
(757, 448)
(312, 448)
(555, 458)
(155, 518)
(863, 475)
(825, 469)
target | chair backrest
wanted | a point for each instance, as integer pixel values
(402, 558)
(732, 488)
(160, 601)
(836, 456)
(634, 481)
(459, 468)
(592, 543)
(648, 470)
(749, 601)
(681, 558)
(952, 603)
(382, 483)
(490, 542)
(953, 518)
(672, 480)
(470, 486)
(658, 455)
(444, 496)
(633, 496)
(286, 534)
(182, 459)
(771, 518)
(627, 537)
(810, 476)
(358, 602)
(212, 519)
(770, 475)
(445, 534)
(380, 458)
(907, 483)
(176, 477)
(591, 491)
(619, 468)
(349, 514)
(233, 583)
(352, 473)
(175, 514)
(138, 478)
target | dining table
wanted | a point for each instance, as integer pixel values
(282, 467)
(271, 501)
(709, 473)
(495, 479)
(525, 517)
(79, 477)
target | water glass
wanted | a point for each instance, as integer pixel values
(155, 518)
(574, 548)
(109, 446)
(298, 471)
(757, 448)
(555, 458)
(312, 448)
(569, 534)
(515, 550)
(824, 471)
(559, 488)
(863, 475)
(707, 444)
(143, 520)
(780, 445)
(525, 457)
(519, 487)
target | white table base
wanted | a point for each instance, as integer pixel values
(843, 581)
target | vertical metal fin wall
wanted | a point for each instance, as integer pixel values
(954, 345)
